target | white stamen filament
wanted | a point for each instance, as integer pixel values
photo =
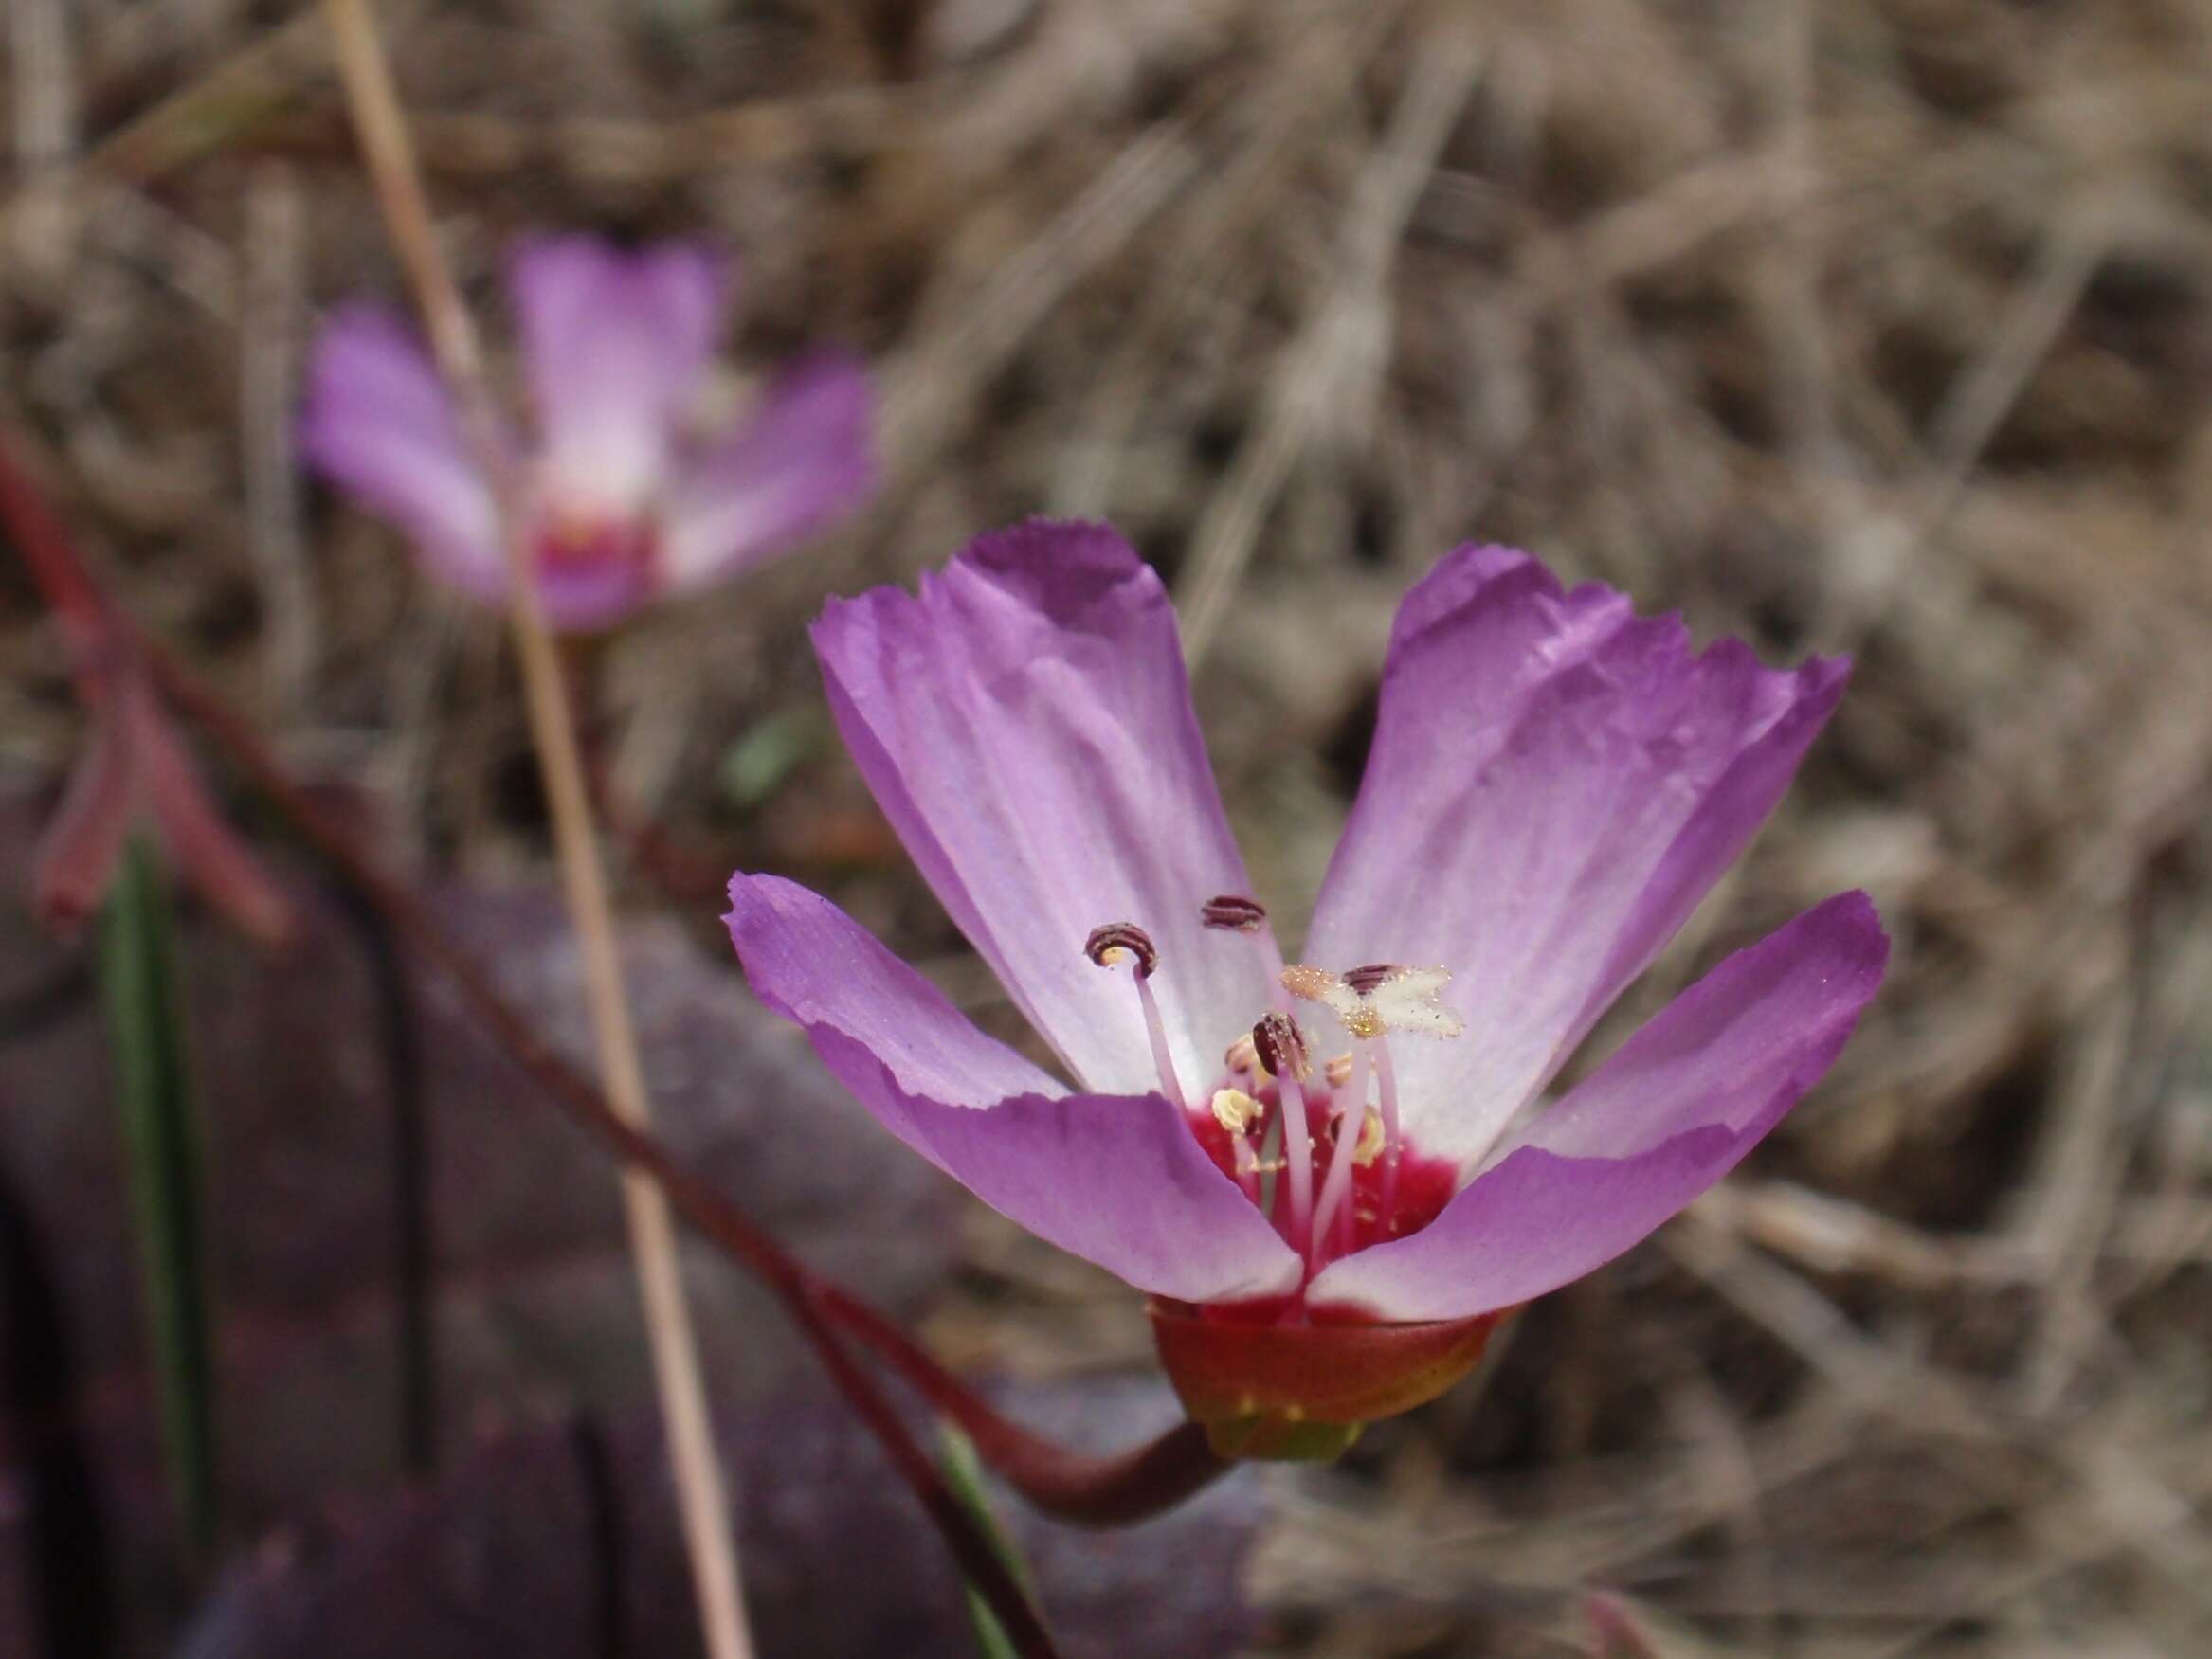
(1372, 1000)
(1297, 1151)
(1157, 1028)
(1247, 1166)
(1387, 1078)
(1351, 1105)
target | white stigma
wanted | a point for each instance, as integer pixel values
(1373, 1002)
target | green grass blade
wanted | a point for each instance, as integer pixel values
(137, 974)
(964, 1476)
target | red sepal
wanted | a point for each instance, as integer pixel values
(1270, 1390)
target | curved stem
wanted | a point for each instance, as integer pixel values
(581, 1100)
(68, 587)
(1071, 1485)
(1062, 1482)
(702, 1494)
(1090, 1490)
(414, 1264)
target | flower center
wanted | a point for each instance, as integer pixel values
(572, 543)
(1320, 1148)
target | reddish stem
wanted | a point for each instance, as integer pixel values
(67, 586)
(1089, 1490)
(134, 764)
(51, 556)
(1056, 1479)
(1072, 1486)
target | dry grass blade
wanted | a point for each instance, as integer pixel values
(702, 1486)
(1327, 369)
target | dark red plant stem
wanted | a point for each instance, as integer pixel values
(58, 573)
(414, 1257)
(1075, 1487)
(691, 1198)
(1069, 1484)
(1089, 1490)
(51, 556)
(1072, 1486)
(134, 767)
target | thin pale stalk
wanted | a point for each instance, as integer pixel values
(1105, 1491)
(1092, 1491)
(700, 1487)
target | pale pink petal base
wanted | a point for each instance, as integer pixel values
(615, 342)
(1660, 1122)
(1117, 1180)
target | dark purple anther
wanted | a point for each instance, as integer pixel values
(1281, 1046)
(1118, 936)
(1233, 913)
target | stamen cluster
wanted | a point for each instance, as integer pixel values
(1325, 1162)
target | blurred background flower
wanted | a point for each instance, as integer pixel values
(625, 500)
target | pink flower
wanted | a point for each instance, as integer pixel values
(626, 502)
(1358, 1135)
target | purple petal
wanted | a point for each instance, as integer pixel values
(1662, 1120)
(815, 965)
(801, 461)
(1025, 723)
(1554, 784)
(379, 424)
(1119, 1181)
(615, 343)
